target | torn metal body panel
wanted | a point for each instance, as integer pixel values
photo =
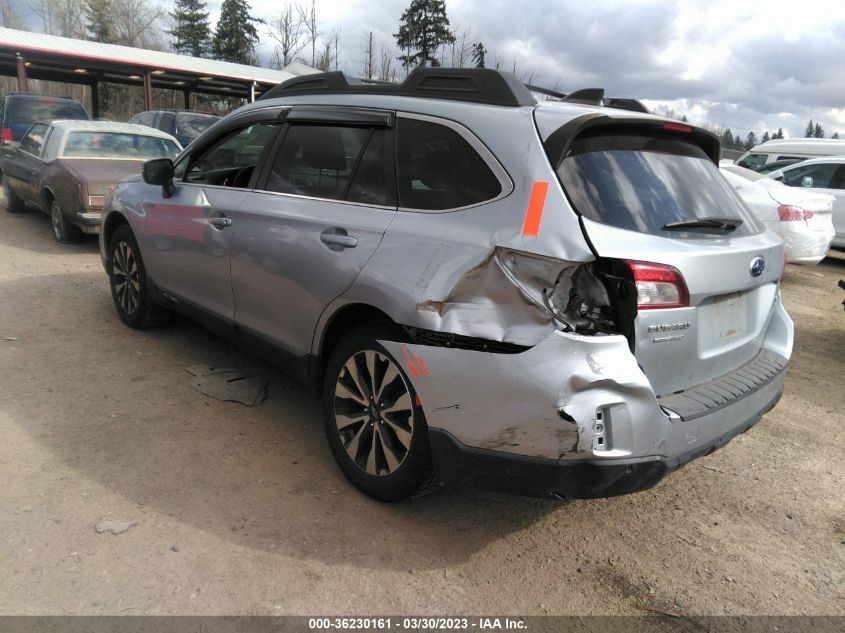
(573, 403)
(542, 402)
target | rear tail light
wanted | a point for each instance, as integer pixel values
(659, 286)
(6, 136)
(677, 127)
(793, 214)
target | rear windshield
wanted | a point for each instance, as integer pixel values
(28, 111)
(192, 125)
(644, 182)
(118, 145)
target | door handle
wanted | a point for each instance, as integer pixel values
(338, 239)
(220, 221)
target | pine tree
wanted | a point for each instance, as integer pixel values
(779, 133)
(423, 28)
(737, 144)
(191, 32)
(99, 24)
(808, 131)
(835, 135)
(818, 132)
(478, 53)
(750, 140)
(765, 136)
(235, 35)
(727, 138)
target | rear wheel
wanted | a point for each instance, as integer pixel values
(374, 422)
(129, 285)
(14, 203)
(63, 231)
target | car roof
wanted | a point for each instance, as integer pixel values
(17, 95)
(177, 111)
(815, 161)
(74, 125)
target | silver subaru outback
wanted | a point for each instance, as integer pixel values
(558, 299)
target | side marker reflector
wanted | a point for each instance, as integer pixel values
(534, 214)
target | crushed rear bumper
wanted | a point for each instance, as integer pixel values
(575, 416)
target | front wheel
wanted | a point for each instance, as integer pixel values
(129, 285)
(374, 422)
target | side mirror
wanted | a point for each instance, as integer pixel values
(159, 171)
(807, 181)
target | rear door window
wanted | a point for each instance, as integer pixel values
(44, 109)
(438, 169)
(34, 139)
(819, 175)
(642, 182)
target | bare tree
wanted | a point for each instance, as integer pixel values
(369, 57)
(461, 48)
(61, 17)
(288, 30)
(386, 73)
(9, 16)
(324, 61)
(336, 40)
(308, 18)
(137, 24)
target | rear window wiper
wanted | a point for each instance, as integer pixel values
(722, 224)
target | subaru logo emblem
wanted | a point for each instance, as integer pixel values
(758, 265)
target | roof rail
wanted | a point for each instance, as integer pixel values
(476, 85)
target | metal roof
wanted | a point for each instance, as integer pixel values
(76, 125)
(65, 59)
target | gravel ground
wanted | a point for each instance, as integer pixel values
(237, 510)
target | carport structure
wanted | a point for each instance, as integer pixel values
(48, 57)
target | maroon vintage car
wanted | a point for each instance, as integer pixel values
(65, 168)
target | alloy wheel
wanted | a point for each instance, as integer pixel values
(374, 413)
(127, 285)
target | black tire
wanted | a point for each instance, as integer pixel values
(129, 284)
(14, 203)
(398, 462)
(63, 231)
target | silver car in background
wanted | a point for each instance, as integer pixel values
(557, 299)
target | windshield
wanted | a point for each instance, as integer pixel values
(191, 125)
(118, 145)
(23, 112)
(643, 182)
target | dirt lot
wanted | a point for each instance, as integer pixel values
(241, 510)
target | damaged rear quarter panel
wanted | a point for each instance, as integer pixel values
(511, 402)
(433, 270)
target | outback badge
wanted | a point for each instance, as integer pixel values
(758, 265)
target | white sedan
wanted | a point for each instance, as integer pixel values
(803, 219)
(823, 175)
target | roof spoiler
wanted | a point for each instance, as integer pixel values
(558, 142)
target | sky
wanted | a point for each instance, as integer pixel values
(745, 65)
